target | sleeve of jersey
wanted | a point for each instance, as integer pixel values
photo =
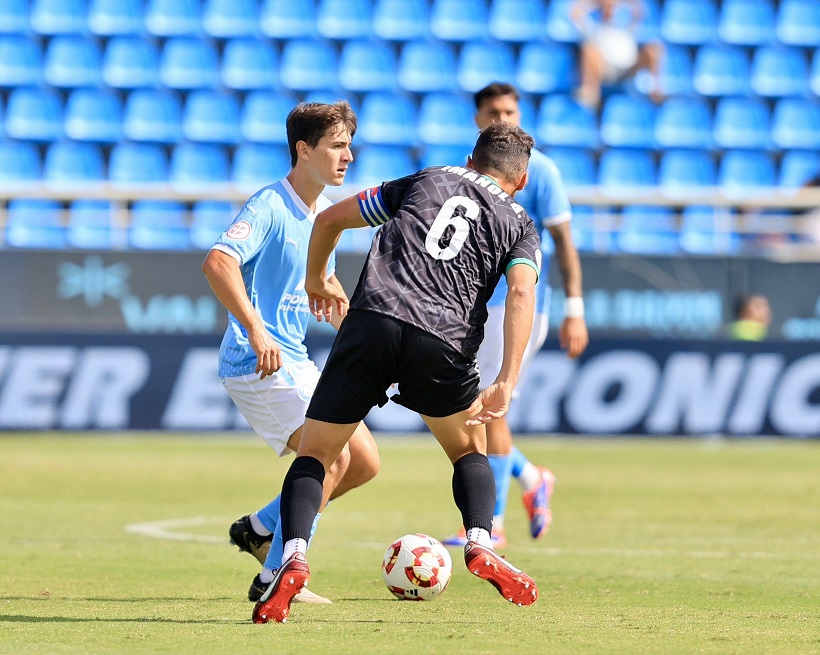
(373, 207)
(247, 233)
(526, 251)
(551, 197)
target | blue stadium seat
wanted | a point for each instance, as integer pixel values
(529, 112)
(376, 164)
(796, 124)
(158, 225)
(34, 114)
(51, 17)
(814, 75)
(388, 119)
(71, 161)
(707, 231)
(401, 20)
(559, 25)
(93, 115)
(308, 65)
(721, 71)
(483, 62)
(742, 123)
(198, 164)
(577, 165)
(249, 64)
(35, 224)
(426, 66)
(689, 22)
(746, 22)
(546, 68)
(14, 16)
(563, 122)
(798, 23)
(675, 72)
(684, 123)
(72, 61)
(649, 27)
(798, 167)
(256, 165)
(230, 19)
(131, 163)
(154, 116)
(618, 169)
(168, 18)
(742, 171)
(263, 117)
(592, 228)
(21, 61)
(286, 19)
(447, 119)
(628, 122)
(188, 63)
(779, 71)
(458, 20)
(130, 63)
(517, 20)
(209, 219)
(367, 65)
(19, 160)
(647, 230)
(434, 155)
(680, 170)
(344, 19)
(92, 225)
(211, 117)
(115, 17)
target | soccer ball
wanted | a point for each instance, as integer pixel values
(416, 567)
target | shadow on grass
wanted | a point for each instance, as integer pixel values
(21, 618)
(74, 599)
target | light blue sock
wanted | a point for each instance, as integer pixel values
(274, 559)
(501, 466)
(519, 461)
(269, 514)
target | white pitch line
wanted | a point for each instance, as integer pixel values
(168, 529)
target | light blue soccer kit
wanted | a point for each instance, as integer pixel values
(269, 238)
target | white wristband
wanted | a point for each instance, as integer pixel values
(574, 307)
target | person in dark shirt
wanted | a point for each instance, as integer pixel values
(416, 318)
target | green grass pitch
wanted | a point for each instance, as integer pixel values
(657, 546)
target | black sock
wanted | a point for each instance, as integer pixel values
(474, 491)
(301, 497)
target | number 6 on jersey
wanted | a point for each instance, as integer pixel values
(446, 246)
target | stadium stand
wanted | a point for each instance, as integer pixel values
(197, 91)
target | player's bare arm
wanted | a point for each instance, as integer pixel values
(223, 274)
(518, 316)
(329, 224)
(573, 335)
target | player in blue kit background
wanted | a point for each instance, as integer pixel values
(257, 271)
(545, 200)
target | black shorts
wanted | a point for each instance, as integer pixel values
(371, 352)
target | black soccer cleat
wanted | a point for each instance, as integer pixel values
(243, 536)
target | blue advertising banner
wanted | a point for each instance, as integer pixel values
(84, 381)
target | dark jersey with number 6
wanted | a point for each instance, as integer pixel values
(448, 235)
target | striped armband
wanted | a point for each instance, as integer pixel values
(372, 207)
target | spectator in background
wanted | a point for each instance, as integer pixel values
(610, 52)
(752, 318)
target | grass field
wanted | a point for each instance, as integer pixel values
(664, 546)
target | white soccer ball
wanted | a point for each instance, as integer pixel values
(416, 567)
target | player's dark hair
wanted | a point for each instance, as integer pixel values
(494, 90)
(310, 121)
(504, 149)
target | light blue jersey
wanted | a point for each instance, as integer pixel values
(546, 202)
(269, 238)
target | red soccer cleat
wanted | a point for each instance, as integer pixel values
(288, 581)
(512, 583)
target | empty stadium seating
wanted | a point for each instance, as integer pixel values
(197, 92)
